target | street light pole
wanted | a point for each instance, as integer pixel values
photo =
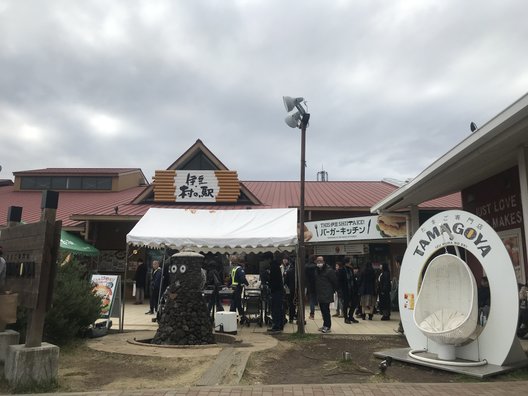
(299, 119)
(302, 253)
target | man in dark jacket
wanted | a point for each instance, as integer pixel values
(140, 278)
(367, 291)
(349, 286)
(276, 287)
(238, 280)
(155, 285)
(384, 289)
(325, 286)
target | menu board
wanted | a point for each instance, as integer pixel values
(105, 287)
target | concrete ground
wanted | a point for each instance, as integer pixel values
(138, 325)
(135, 319)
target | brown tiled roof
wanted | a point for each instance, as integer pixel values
(6, 182)
(77, 171)
(452, 201)
(69, 203)
(74, 207)
(332, 194)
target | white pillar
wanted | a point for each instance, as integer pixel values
(522, 160)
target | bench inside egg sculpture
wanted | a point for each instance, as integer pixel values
(184, 320)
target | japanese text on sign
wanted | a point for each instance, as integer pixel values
(356, 228)
(196, 186)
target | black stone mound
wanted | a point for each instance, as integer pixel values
(185, 319)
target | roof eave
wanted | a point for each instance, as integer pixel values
(472, 144)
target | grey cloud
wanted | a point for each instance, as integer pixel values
(390, 85)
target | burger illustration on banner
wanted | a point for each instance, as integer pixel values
(307, 233)
(104, 292)
(392, 226)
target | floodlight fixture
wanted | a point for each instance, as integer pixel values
(293, 120)
(473, 127)
(290, 103)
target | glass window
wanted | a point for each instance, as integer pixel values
(43, 182)
(74, 183)
(65, 183)
(58, 182)
(28, 183)
(104, 183)
(89, 183)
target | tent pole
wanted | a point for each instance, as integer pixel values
(162, 276)
(123, 291)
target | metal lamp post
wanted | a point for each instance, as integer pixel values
(299, 119)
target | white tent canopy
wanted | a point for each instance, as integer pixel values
(255, 230)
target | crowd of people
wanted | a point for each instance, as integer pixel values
(356, 293)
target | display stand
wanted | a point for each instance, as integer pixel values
(108, 287)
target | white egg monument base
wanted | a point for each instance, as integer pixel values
(439, 314)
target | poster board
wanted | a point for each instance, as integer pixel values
(513, 242)
(108, 288)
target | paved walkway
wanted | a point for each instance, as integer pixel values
(384, 389)
(135, 319)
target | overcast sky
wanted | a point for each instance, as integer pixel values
(390, 85)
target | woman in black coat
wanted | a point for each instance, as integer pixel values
(325, 286)
(384, 289)
(367, 291)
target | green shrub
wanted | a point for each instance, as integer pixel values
(74, 305)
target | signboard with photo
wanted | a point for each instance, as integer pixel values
(513, 242)
(105, 287)
(356, 228)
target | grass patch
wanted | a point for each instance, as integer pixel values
(74, 346)
(352, 365)
(34, 387)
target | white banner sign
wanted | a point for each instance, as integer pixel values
(337, 250)
(196, 186)
(356, 228)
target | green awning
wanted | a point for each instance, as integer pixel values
(76, 245)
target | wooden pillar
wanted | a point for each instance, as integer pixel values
(47, 272)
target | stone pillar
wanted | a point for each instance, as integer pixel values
(7, 338)
(34, 365)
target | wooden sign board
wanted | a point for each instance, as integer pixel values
(196, 186)
(26, 251)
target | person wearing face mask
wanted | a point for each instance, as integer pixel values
(325, 286)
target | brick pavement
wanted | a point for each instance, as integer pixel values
(379, 389)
